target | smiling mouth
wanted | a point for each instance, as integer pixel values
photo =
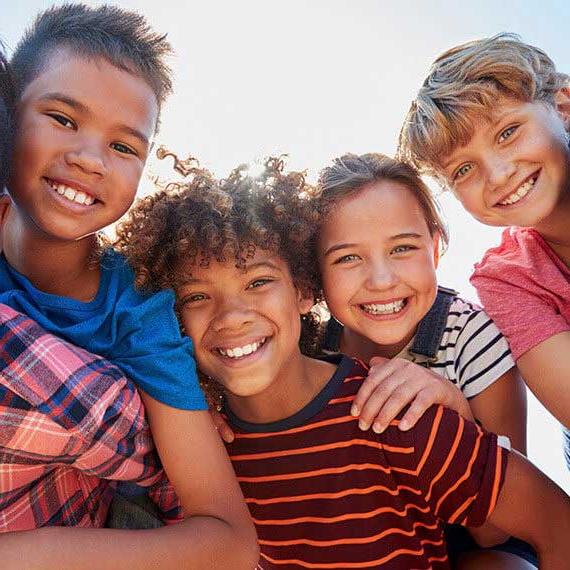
(76, 196)
(237, 352)
(520, 192)
(384, 308)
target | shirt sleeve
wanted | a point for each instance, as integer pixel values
(152, 352)
(457, 467)
(523, 316)
(481, 354)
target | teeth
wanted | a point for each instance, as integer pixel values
(384, 309)
(521, 192)
(239, 351)
(71, 194)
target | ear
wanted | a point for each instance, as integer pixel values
(305, 301)
(5, 202)
(436, 250)
(562, 104)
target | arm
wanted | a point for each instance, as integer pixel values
(533, 508)
(546, 371)
(501, 408)
(217, 534)
(393, 384)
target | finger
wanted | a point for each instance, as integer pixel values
(376, 375)
(403, 395)
(417, 409)
(226, 433)
(377, 400)
(378, 361)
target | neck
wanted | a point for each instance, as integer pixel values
(53, 266)
(554, 229)
(286, 396)
(358, 346)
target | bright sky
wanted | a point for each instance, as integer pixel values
(315, 79)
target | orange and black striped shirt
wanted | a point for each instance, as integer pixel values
(324, 494)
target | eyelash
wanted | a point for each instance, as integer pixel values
(126, 149)
(404, 248)
(67, 123)
(260, 282)
(458, 173)
(510, 130)
(346, 258)
(62, 120)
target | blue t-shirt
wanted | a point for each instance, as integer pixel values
(138, 333)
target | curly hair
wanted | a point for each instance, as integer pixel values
(204, 218)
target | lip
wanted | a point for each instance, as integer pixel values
(535, 175)
(75, 186)
(388, 317)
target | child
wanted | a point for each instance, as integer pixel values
(322, 493)
(90, 84)
(491, 122)
(378, 245)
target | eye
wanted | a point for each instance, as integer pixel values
(508, 132)
(347, 258)
(123, 149)
(403, 249)
(256, 283)
(62, 120)
(192, 298)
(462, 171)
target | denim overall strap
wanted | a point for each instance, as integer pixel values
(432, 326)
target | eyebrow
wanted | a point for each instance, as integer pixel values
(81, 108)
(338, 246)
(406, 235)
(259, 265)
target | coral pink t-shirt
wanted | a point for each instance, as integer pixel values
(525, 288)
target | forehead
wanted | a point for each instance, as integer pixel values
(479, 123)
(107, 91)
(209, 269)
(381, 209)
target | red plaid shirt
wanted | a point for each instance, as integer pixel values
(70, 425)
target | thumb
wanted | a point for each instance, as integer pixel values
(378, 361)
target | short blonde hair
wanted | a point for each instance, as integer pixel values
(465, 82)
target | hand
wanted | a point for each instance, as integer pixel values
(393, 384)
(222, 426)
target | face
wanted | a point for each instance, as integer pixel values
(515, 169)
(245, 323)
(83, 134)
(377, 262)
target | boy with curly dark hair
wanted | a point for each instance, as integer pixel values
(322, 493)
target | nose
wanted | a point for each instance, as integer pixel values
(88, 156)
(380, 275)
(233, 314)
(499, 170)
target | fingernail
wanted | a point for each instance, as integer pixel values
(363, 425)
(354, 411)
(377, 428)
(404, 425)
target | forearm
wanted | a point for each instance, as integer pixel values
(195, 543)
(533, 508)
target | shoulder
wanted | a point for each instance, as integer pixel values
(51, 374)
(521, 251)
